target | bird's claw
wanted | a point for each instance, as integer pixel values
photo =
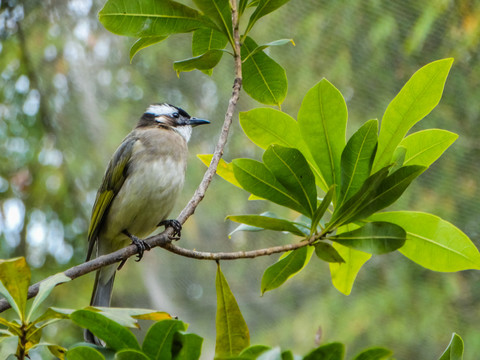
(177, 228)
(141, 247)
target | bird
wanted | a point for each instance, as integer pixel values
(138, 191)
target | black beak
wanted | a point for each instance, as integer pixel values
(195, 122)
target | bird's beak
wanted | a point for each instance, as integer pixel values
(195, 122)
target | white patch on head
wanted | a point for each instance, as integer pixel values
(160, 109)
(185, 131)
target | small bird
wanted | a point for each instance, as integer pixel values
(139, 189)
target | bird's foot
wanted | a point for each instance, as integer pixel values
(139, 243)
(177, 228)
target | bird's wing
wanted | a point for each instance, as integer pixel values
(112, 183)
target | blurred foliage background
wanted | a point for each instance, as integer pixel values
(68, 96)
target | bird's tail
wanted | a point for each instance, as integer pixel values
(101, 296)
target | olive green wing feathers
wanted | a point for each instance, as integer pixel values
(112, 183)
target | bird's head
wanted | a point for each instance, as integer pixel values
(169, 116)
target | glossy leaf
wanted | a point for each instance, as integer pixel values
(376, 353)
(152, 18)
(357, 159)
(291, 169)
(205, 39)
(224, 169)
(187, 346)
(205, 61)
(433, 242)
(115, 335)
(272, 354)
(322, 119)
(267, 126)
(232, 330)
(415, 100)
(262, 47)
(426, 146)
(8, 346)
(285, 268)
(327, 252)
(331, 351)
(220, 12)
(266, 222)
(344, 274)
(159, 339)
(373, 238)
(128, 316)
(322, 208)
(15, 278)
(45, 289)
(130, 354)
(263, 79)
(454, 350)
(255, 177)
(264, 7)
(84, 352)
(143, 43)
(252, 352)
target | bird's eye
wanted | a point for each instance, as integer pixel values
(176, 115)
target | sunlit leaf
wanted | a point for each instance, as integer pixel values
(232, 330)
(322, 119)
(144, 42)
(224, 169)
(291, 169)
(268, 223)
(331, 351)
(376, 353)
(271, 354)
(357, 159)
(433, 242)
(128, 316)
(415, 100)
(373, 238)
(130, 354)
(205, 39)
(327, 253)
(454, 350)
(285, 268)
(158, 341)
(255, 177)
(262, 47)
(187, 346)
(14, 281)
(205, 61)
(263, 79)
(220, 12)
(115, 335)
(84, 352)
(252, 352)
(264, 7)
(426, 146)
(151, 18)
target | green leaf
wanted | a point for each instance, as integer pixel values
(344, 274)
(220, 12)
(232, 330)
(322, 119)
(115, 335)
(376, 353)
(432, 242)
(357, 159)
(263, 79)
(84, 352)
(224, 169)
(8, 346)
(387, 192)
(454, 350)
(252, 352)
(187, 346)
(322, 208)
(267, 126)
(264, 7)
(327, 252)
(415, 100)
(291, 169)
(159, 339)
(272, 354)
(205, 61)
(205, 39)
(14, 281)
(152, 18)
(255, 177)
(242, 5)
(130, 354)
(266, 222)
(373, 238)
(144, 42)
(331, 351)
(426, 146)
(285, 268)
(45, 289)
(262, 47)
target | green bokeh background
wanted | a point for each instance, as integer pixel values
(68, 96)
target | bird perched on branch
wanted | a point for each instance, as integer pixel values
(139, 189)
